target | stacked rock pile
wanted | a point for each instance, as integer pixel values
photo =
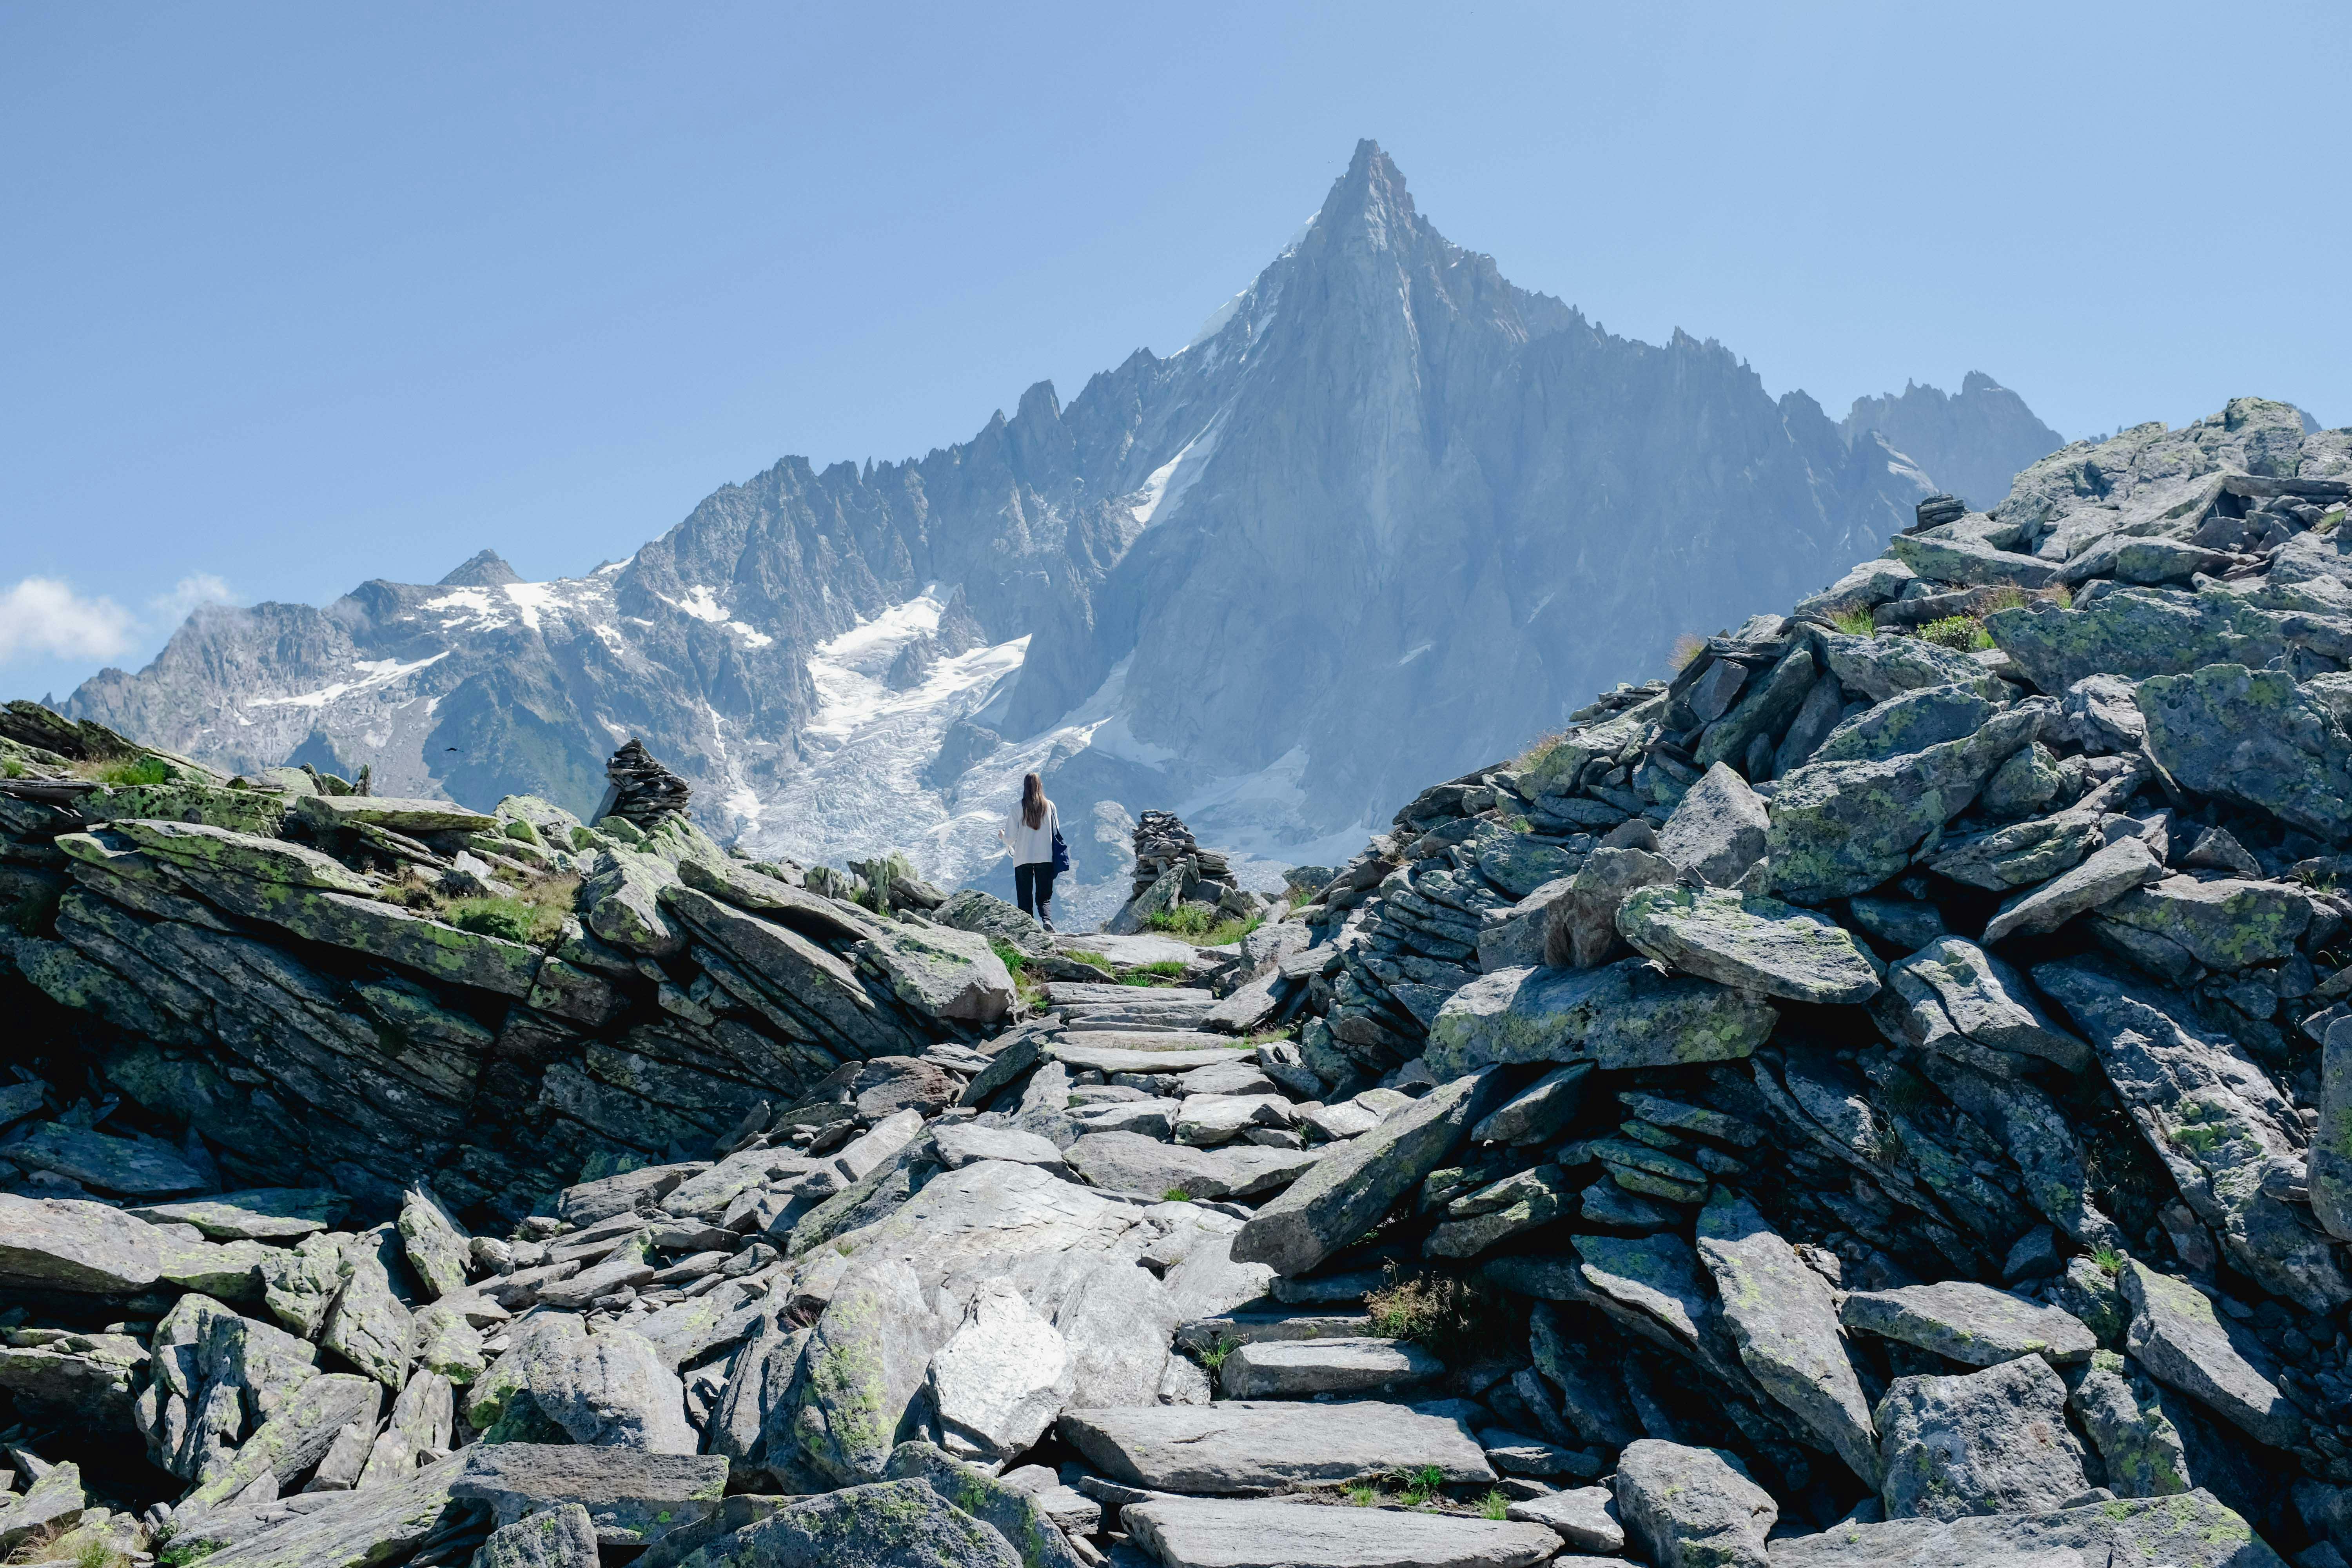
(1868, 1099)
(642, 791)
(1172, 871)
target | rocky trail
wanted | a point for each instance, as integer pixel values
(1881, 1096)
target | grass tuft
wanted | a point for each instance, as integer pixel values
(1176, 1196)
(2110, 1262)
(1200, 926)
(1459, 1321)
(1855, 623)
(145, 771)
(1016, 963)
(1495, 1504)
(1964, 634)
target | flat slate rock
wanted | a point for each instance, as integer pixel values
(1752, 943)
(1109, 1051)
(1291, 1368)
(2191, 1531)
(260, 1214)
(1201, 1533)
(1132, 1163)
(1244, 1446)
(1971, 1322)
(633, 1496)
(1583, 1517)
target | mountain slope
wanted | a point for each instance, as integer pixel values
(1385, 477)
(1974, 443)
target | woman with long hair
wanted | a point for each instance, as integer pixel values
(1028, 832)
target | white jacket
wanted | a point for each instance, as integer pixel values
(1031, 846)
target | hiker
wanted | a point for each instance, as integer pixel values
(1033, 833)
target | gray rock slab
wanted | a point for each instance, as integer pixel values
(2140, 1446)
(1538, 1111)
(1784, 1321)
(2228, 922)
(884, 1524)
(1898, 922)
(2133, 633)
(1300, 1368)
(1132, 1162)
(1264, 1325)
(1242, 1076)
(1150, 1118)
(1582, 928)
(866, 1364)
(355, 1530)
(1880, 668)
(2214, 1119)
(1109, 1052)
(2176, 1334)
(1021, 1516)
(135, 1166)
(1627, 1014)
(1970, 1323)
(67, 1244)
(1994, 1441)
(1907, 722)
(54, 1503)
(1692, 1507)
(958, 1144)
(2196, 1532)
(559, 1537)
(296, 1438)
(1200, 1532)
(1346, 1191)
(610, 1388)
(2018, 854)
(1989, 1002)
(632, 1496)
(2098, 881)
(1748, 941)
(1238, 1445)
(1583, 1517)
(1001, 1376)
(1717, 828)
(2250, 735)
(259, 1214)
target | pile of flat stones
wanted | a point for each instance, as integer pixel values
(641, 789)
(1173, 872)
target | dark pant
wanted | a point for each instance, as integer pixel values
(1034, 886)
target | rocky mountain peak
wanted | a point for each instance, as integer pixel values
(484, 569)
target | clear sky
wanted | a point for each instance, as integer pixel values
(298, 295)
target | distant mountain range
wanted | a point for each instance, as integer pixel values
(1387, 517)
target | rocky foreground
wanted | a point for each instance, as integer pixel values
(1881, 1097)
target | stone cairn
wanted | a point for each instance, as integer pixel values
(642, 791)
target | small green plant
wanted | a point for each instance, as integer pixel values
(12, 769)
(2110, 1262)
(1965, 634)
(1456, 1319)
(1080, 955)
(1685, 649)
(98, 1552)
(1166, 971)
(1176, 1196)
(1855, 623)
(1362, 1495)
(1016, 963)
(532, 913)
(1422, 1485)
(1495, 1504)
(1198, 924)
(1213, 1357)
(145, 771)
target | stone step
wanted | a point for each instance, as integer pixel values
(1126, 952)
(1156, 1053)
(1204, 1532)
(1265, 1326)
(1085, 993)
(1300, 1368)
(1250, 1445)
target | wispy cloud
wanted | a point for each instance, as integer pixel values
(44, 617)
(197, 588)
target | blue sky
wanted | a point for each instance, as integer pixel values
(300, 295)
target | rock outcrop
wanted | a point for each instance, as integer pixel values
(1847, 1102)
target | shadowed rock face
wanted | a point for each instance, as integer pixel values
(1973, 443)
(1392, 489)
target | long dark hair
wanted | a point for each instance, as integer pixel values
(1032, 801)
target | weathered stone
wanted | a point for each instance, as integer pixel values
(866, 1363)
(941, 972)
(1298, 1369)
(1001, 1377)
(1994, 1441)
(369, 1325)
(437, 1250)
(1581, 929)
(66, 1244)
(1630, 1014)
(1204, 1121)
(1201, 1533)
(559, 1537)
(590, 1202)
(1021, 1518)
(1970, 1323)
(1906, 723)
(1583, 1517)
(886, 1525)
(632, 1496)
(1538, 1111)
(2226, 923)
(2331, 1141)
(1784, 1321)
(610, 1388)
(133, 1166)
(1749, 943)
(2134, 633)
(1957, 558)
(1243, 1445)
(296, 1437)
(91, 1375)
(2185, 1344)
(1840, 828)
(1988, 1001)
(1692, 1507)
(1347, 1190)
(2020, 854)
(262, 1214)
(52, 1504)
(961, 1145)
(2250, 735)
(1133, 1162)
(1501, 1210)
(2211, 1116)
(2138, 1443)
(2192, 1532)
(1718, 830)
(2098, 881)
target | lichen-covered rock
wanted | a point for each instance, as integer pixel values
(1693, 1508)
(865, 1365)
(1748, 942)
(1630, 1014)
(610, 1388)
(942, 972)
(2098, 881)
(2196, 1532)
(437, 1250)
(296, 1437)
(1880, 668)
(1994, 1441)
(2250, 735)
(1906, 723)
(559, 1537)
(2185, 1344)
(1256, 1446)
(65, 1244)
(1718, 830)
(1016, 1515)
(2138, 1446)
(1968, 1322)
(2224, 923)
(2134, 633)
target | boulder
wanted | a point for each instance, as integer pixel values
(886, 1525)
(1347, 1190)
(2138, 1446)
(1244, 1446)
(1693, 1508)
(2331, 1141)
(52, 1505)
(2098, 881)
(1134, 1162)
(1204, 1532)
(294, 1439)
(1519, 1202)
(1994, 1441)
(1581, 930)
(2177, 1335)
(961, 1144)
(866, 1363)
(437, 1250)
(1538, 1111)
(1748, 942)
(1300, 1368)
(610, 1388)
(261, 1214)
(1784, 1321)
(2217, 1122)
(2018, 854)
(1632, 1014)
(633, 1496)
(2224, 924)
(2134, 633)
(1585, 1518)
(1967, 1322)
(1718, 830)
(92, 1376)
(2253, 736)
(2195, 1532)
(941, 972)
(1907, 722)
(558, 1537)
(135, 1167)
(1001, 1377)
(368, 1324)
(66, 1244)
(1989, 1002)
(1020, 1517)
